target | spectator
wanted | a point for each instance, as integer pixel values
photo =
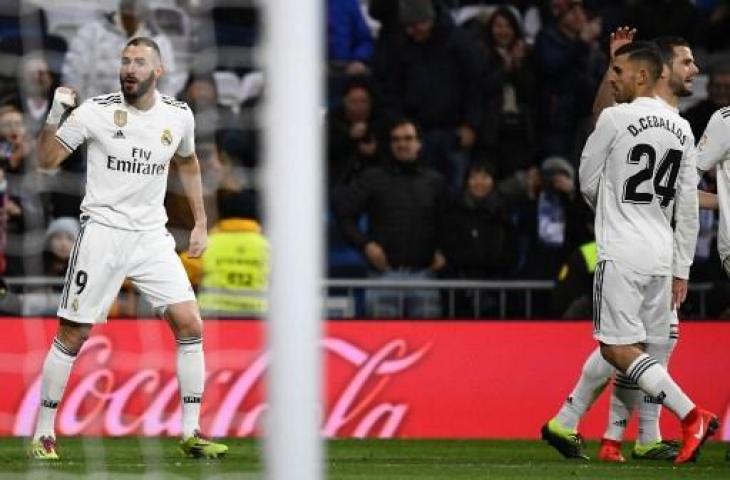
(95, 52)
(34, 92)
(60, 237)
(718, 96)
(405, 202)
(434, 77)
(351, 135)
(570, 66)
(232, 275)
(24, 214)
(201, 94)
(553, 220)
(508, 128)
(478, 238)
(349, 42)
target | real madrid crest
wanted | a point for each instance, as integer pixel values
(75, 305)
(166, 138)
(120, 118)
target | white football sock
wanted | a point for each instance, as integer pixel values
(594, 377)
(649, 407)
(624, 400)
(654, 379)
(56, 370)
(191, 377)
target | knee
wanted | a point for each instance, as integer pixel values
(73, 335)
(608, 352)
(185, 320)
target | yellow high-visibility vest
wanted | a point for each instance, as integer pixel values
(590, 255)
(235, 269)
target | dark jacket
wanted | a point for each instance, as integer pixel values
(438, 82)
(405, 205)
(478, 238)
(569, 72)
(344, 160)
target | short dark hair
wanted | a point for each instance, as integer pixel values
(645, 52)
(145, 41)
(400, 121)
(666, 44)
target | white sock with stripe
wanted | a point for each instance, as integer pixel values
(654, 379)
(624, 400)
(191, 377)
(56, 370)
(593, 379)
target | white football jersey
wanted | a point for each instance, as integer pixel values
(128, 156)
(638, 170)
(713, 149)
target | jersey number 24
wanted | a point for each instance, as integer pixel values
(664, 179)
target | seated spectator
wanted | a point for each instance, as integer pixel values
(351, 135)
(718, 96)
(478, 238)
(434, 76)
(201, 94)
(405, 202)
(508, 129)
(95, 71)
(232, 276)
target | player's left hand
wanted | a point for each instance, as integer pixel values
(679, 291)
(198, 241)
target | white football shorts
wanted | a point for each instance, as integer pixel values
(630, 307)
(103, 257)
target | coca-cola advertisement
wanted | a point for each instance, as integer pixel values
(436, 379)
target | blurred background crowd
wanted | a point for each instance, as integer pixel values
(453, 133)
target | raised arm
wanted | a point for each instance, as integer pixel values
(604, 96)
(189, 170)
(51, 149)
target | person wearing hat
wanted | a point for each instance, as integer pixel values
(60, 237)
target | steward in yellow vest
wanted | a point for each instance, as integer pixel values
(232, 278)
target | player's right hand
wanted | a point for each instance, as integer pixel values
(64, 98)
(622, 36)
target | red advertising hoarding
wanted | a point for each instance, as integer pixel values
(441, 379)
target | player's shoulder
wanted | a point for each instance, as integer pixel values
(722, 115)
(105, 101)
(174, 103)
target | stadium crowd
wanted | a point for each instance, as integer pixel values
(454, 130)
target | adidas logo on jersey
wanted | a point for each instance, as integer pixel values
(119, 134)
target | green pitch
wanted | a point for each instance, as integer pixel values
(348, 459)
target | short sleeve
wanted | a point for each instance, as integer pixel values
(187, 143)
(73, 132)
(714, 143)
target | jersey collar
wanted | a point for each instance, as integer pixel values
(137, 111)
